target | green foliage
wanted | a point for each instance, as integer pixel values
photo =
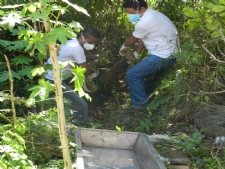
(120, 128)
(42, 90)
(190, 144)
(144, 126)
(12, 148)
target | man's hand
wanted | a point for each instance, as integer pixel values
(122, 48)
(89, 85)
(129, 55)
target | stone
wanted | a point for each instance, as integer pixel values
(159, 137)
(178, 167)
(178, 157)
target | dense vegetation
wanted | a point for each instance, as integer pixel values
(28, 115)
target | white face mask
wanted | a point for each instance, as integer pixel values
(87, 46)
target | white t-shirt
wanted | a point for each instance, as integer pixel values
(158, 33)
(72, 52)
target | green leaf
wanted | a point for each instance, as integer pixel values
(2, 12)
(21, 128)
(37, 15)
(218, 8)
(5, 76)
(31, 8)
(118, 128)
(37, 71)
(38, 42)
(5, 43)
(59, 8)
(11, 20)
(22, 60)
(26, 72)
(190, 146)
(217, 34)
(60, 34)
(222, 14)
(196, 134)
(18, 45)
(194, 23)
(44, 2)
(191, 12)
(222, 2)
(79, 71)
(42, 90)
(76, 25)
(159, 100)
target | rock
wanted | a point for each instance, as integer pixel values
(178, 157)
(159, 137)
(178, 167)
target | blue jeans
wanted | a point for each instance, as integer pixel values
(78, 107)
(136, 77)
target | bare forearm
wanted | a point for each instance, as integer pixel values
(88, 68)
(140, 46)
(131, 41)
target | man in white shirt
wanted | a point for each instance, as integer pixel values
(155, 32)
(73, 51)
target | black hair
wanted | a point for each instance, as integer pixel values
(135, 4)
(91, 32)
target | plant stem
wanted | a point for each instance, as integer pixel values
(59, 97)
(11, 91)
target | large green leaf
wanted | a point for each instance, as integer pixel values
(76, 25)
(42, 90)
(191, 12)
(11, 20)
(37, 15)
(78, 71)
(217, 34)
(22, 60)
(37, 71)
(26, 72)
(37, 41)
(159, 100)
(222, 2)
(218, 8)
(18, 45)
(194, 23)
(61, 33)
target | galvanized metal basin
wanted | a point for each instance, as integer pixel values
(109, 149)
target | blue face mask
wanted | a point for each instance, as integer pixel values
(134, 17)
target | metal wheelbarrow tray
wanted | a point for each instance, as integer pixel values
(109, 149)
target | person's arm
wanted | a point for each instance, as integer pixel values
(89, 70)
(131, 41)
(140, 46)
(91, 56)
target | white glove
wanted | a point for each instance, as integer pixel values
(136, 55)
(123, 47)
(86, 89)
(93, 75)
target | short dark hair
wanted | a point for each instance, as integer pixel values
(135, 4)
(91, 32)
